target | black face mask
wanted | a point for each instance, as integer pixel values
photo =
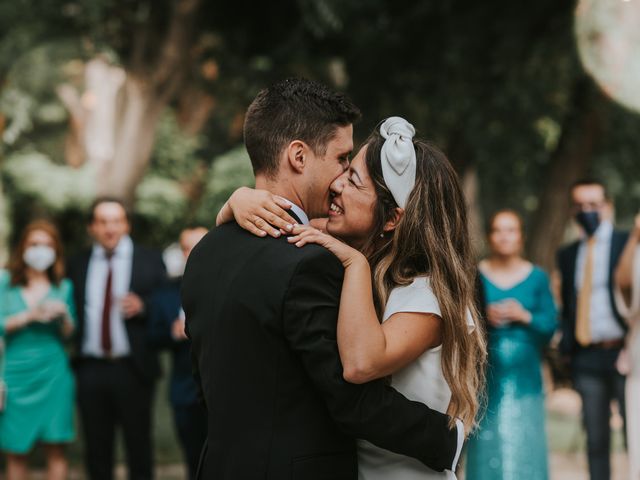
(589, 221)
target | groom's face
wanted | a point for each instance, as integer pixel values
(321, 171)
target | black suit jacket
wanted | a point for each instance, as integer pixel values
(262, 314)
(147, 274)
(566, 259)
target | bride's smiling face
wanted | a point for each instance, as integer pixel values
(351, 216)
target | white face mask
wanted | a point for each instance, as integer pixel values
(174, 261)
(39, 257)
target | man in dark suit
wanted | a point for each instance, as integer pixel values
(115, 367)
(592, 329)
(262, 317)
(167, 331)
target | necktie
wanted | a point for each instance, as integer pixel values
(105, 339)
(583, 321)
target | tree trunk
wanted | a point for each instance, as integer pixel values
(461, 157)
(470, 184)
(111, 127)
(134, 135)
(113, 122)
(569, 162)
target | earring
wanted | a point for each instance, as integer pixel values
(382, 235)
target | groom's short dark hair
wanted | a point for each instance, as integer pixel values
(293, 109)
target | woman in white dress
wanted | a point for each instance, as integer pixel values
(627, 296)
(407, 305)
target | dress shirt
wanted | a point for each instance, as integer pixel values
(604, 325)
(121, 263)
(304, 219)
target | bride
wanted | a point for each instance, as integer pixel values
(398, 224)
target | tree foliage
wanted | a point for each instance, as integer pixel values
(497, 85)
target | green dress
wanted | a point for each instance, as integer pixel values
(510, 443)
(40, 385)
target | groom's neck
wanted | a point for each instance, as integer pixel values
(281, 187)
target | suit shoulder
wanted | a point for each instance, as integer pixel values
(80, 256)
(147, 252)
(218, 234)
(316, 257)
(274, 248)
(77, 261)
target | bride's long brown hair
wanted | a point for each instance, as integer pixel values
(432, 239)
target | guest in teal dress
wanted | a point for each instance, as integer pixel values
(36, 315)
(510, 442)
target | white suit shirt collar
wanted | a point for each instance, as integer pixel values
(304, 219)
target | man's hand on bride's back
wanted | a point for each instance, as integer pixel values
(258, 211)
(304, 234)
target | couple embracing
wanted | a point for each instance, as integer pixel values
(348, 351)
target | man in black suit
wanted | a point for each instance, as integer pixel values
(115, 367)
(167, 331)
(262, 317)
(592, 329)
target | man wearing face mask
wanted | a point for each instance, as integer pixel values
(167, 331)
(592, 329)
(116, 367)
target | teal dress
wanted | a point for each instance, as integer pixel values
(510, 443)
(40, 385)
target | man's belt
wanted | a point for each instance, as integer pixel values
(608, 344)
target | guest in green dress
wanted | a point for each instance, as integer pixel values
(36, 315)
(510, 442)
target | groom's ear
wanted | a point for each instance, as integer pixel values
(297, 155)
(393, 222)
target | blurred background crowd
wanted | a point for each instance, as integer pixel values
(121, 125)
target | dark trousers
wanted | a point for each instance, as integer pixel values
(191, 425)
(112, 394)
(597, 387)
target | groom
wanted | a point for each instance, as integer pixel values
(262, 313)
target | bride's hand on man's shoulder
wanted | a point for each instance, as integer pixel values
(304, 234)
(260, 212)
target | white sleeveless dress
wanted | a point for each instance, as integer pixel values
(421, 381)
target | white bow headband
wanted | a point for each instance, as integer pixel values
(398, 157)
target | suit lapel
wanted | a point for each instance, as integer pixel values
(135, 270)
(80, 292)
(84, 268)
(571, 269)
(618, 241)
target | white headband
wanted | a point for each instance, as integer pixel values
(398, 157)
